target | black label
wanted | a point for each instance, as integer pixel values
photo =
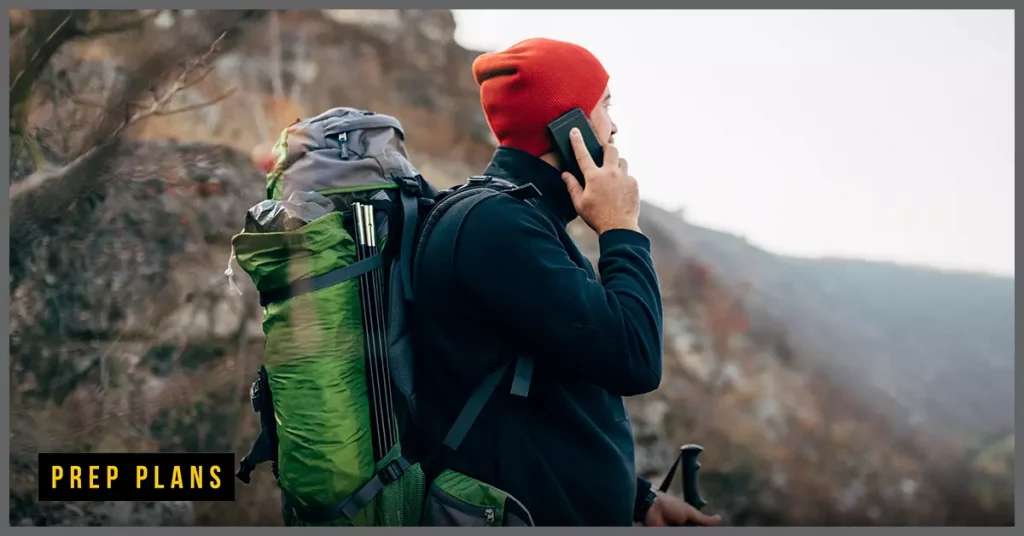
(136, 477)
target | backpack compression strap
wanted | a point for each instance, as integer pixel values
(322, 281)
(264, 449)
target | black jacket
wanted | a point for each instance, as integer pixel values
(521, 285)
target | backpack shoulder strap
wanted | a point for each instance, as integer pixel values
(454, 208)
(408, 191)
(462, 199)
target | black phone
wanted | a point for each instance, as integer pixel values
(560, 128)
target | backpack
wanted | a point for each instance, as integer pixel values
(332, 253)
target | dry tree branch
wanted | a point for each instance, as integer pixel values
(29, 67)
(50, 42)
(159, 100)
(192, 107)
(34, 181)
(199, 78)
(102, 105)
(43, 198)
(179, 84)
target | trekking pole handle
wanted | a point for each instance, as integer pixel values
(688, 455)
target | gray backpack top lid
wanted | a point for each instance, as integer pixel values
(340, 150)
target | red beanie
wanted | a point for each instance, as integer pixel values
(524, 88)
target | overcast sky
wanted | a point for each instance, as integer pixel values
(886, 135)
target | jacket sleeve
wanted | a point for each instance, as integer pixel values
(640, 505)
(509, 259)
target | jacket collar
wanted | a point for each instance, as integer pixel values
(520, 167)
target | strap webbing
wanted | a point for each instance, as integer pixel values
(523, 375)
(475, 404)
(262, 451)
(312, 284)
(353, 504)
(410, 214)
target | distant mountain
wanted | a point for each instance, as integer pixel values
(926, 346)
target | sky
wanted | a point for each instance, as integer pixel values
(883, 135)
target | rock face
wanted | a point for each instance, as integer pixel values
(126, 335)
(116, 514)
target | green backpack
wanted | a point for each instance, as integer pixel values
(332, 253)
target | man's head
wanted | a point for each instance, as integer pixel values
(532, 83)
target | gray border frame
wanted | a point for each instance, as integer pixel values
(325, 4)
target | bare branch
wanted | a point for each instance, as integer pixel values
(68, 29)
(204, 104)
(179, 83)
(199, 77)
(96, 104)
(48, 44)
(42, 199)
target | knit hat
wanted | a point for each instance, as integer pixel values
(532, 83)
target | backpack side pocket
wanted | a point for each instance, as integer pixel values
(456, 500)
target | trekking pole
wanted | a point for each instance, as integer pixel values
(688, 460)
(372, 376)
(378, 373)
(384, 365)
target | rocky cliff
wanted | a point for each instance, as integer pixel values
(126, 336)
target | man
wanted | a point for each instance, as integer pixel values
(518, 284)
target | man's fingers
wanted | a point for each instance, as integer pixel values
(683, 513)
(573, 185)
(583, 159)
(624, 166)
(704, 519)
(611, 156)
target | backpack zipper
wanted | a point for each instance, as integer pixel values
(518, 503)
(343, 140)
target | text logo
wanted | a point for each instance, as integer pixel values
(136, 477)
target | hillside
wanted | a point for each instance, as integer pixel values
(126, 336)
(934, 347)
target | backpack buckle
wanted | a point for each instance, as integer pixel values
(255, 396)
(480, 179)
(408, 185)
(390, 473)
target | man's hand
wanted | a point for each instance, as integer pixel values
(611, 199)
(670, 511)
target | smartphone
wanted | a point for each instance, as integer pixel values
(560, 128)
